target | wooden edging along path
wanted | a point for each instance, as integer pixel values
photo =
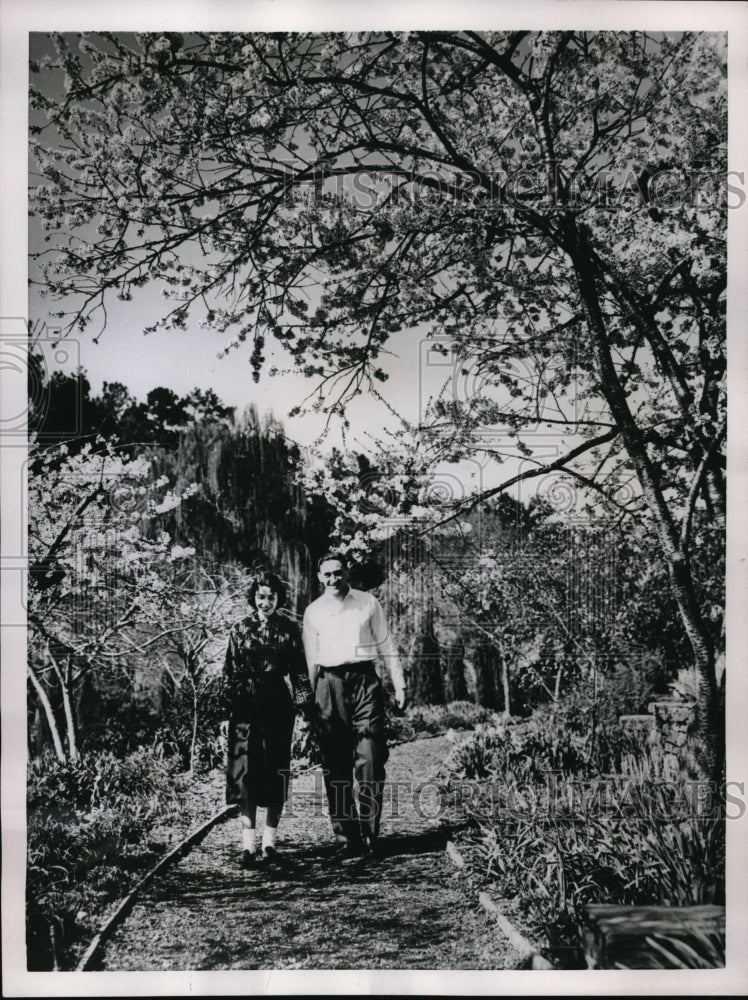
(526, 949)
(127, 903)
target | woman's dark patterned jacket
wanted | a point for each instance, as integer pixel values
(259, 654)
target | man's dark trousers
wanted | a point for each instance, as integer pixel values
(350, 728)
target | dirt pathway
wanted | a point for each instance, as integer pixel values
(404, 910)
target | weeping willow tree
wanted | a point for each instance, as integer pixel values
(248, 506)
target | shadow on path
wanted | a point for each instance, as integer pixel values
(403, 908)
(313, 868)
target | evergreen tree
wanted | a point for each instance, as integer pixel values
(455, 687)
(486, 673)
(425, 663)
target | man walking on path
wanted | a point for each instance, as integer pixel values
(344, 632)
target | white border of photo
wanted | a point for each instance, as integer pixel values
(17, 19)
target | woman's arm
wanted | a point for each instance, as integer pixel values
(310, 641)
(297, 669)
(229, 673)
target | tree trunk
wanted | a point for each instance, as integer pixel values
(67, 704)
(711, 728)
(69, 722)
(455, 687)
(195, 710)
(48, 713)
(505, 682)
(485, 672)
(193, 741)
(63, 680)
(505, 687)
(557, 684)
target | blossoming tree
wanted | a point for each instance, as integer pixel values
(552, 203)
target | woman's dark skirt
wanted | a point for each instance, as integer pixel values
(259, 746)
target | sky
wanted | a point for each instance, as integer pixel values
(184, 359)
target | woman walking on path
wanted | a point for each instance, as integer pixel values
(265, 681)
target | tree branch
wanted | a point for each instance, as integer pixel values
(559, 463)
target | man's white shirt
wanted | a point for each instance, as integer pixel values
(344, 631)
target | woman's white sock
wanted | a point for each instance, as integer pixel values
(268, 836)
(249, 839)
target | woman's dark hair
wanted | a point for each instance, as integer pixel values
(267, 580)
(333, 556)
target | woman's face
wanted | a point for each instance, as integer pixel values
(266, 601)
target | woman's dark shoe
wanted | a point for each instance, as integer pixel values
(370, 847)
(249, 859)
(269, 855)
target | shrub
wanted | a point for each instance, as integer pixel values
(81, 813)
(555, 869)
(120, 727)
(175, 732)
(102, 778)
(431, 720)
(638, 848)
(545, 742)
(579, 734)
(685, 687)
(486, 753)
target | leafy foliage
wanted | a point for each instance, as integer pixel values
(81, 816)
(565, 812)
(555, 868)
(704, 950)
(431, 720)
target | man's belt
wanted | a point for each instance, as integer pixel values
(341, 668)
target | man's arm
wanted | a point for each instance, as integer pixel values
(387, 649)
(311, 646)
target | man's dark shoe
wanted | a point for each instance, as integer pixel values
(350, 849)
(249, 860)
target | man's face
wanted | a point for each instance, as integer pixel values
(333, 576)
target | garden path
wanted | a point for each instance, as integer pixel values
(406, 909)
